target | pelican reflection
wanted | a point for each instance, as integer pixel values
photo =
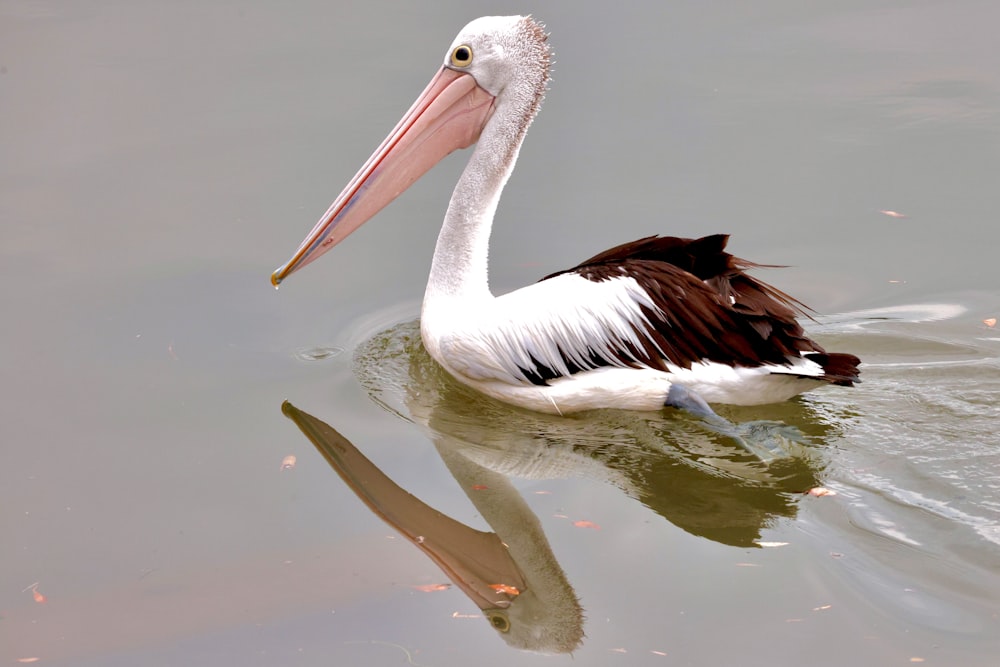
(695, 477)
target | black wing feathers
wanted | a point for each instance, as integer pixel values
(710, 309)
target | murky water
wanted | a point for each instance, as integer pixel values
(159, 160)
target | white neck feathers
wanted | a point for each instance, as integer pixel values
(460, 266)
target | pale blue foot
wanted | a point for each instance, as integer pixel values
(765, 440)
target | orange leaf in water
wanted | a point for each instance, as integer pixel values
(288, 462)
(990, 322)
(39, 598)
(431, 588)
(586, 524)
(504, 588)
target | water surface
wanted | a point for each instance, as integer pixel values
(159, 160)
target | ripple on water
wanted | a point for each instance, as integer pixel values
(922, 454)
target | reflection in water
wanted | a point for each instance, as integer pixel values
(696, 478)
(511, 574)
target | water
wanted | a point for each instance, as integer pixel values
(160, 160)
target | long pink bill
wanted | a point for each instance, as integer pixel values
(448, 115)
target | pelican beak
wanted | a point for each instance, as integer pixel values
(448, 115)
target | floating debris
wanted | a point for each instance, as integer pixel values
(319, 353)
(820, 491)
(430, 588)
(288, 462)
(892, 214)
(504, 588)
(479, 487)
(39, 598)
(586, 524)
(990, 322)
(770, 545)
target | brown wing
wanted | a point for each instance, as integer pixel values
(710, 308)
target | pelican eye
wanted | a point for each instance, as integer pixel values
(500, 622)
(461, 56)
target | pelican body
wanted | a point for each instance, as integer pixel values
(659, 321)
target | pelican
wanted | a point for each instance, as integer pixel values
(657, 322)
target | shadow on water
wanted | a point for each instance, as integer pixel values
(694, 477)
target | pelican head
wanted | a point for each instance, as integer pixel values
(494, 64)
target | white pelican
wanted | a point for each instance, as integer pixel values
(659, 321)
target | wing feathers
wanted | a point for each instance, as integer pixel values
(654, 302)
